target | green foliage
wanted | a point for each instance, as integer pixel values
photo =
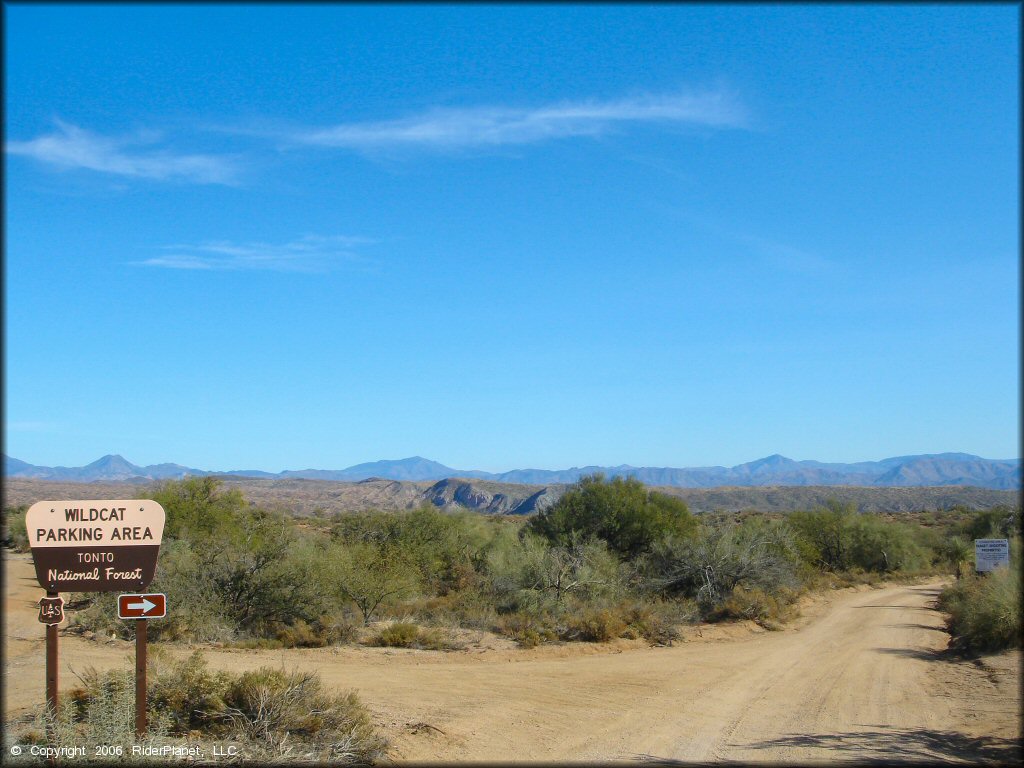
(884, 546)
(585, 570)
(190, 696)
(996, 523)
(442, 548)
(14, 536)
(197, 507)
(958, 554)
(269, 706)
(623, 512)
(984, 611)
(837, 538)
(369, 573)
(611, 558)
(823, 535)
(708, 568)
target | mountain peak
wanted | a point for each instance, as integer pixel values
(111, 460)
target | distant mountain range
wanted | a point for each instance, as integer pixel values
(941, 469)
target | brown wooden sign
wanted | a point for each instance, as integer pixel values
(95, 546)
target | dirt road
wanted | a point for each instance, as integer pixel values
(860, 677)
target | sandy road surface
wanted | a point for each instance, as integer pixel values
(860, 677)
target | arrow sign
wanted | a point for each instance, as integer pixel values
(152, 606)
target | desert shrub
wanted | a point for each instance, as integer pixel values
(14, 535)
(104, 706)
(655, 622)
(398, 635)
(509, 566)
(438, 639)
(300, 635)
(755, 554)
(368, 574)
(622, 512)
(100, 712)
(884, 546)
(823, 535)
(440, 548)
(404, 634)
(528, 629)
(585, 570)
(97, 612)
(999, 522)
(198, 507)
(594, 626)
(262, 573)
(198, 611)
(956, 553)
(269, 706)
(984, 611)
(471, 608)
(767, 610)
(338, 627)
(187, 694)
(837, 538)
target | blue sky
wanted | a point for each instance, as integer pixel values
(269, 237)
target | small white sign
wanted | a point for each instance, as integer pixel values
(990, 554)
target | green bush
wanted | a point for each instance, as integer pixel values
(187, 693)
(198, 507)
(984, 611)
(709, 567)
(622, 512)
(14, 535)
(838, 538)
(269, 706)
(369, 574)
(999, 522)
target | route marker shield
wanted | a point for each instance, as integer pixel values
(51, 610)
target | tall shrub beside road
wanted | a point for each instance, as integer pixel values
(984, 611)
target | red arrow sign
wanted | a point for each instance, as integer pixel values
(152, 606)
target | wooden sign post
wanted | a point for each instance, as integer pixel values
(141, 608)
(94, 546)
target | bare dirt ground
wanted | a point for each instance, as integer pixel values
(861, 676)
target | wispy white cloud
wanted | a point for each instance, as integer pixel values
(454, 128)
(72, 147)
(312, 253)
